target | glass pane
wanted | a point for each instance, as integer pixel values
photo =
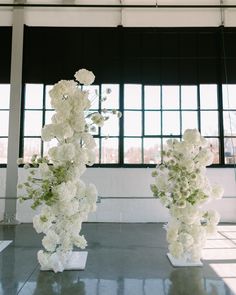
(170, 97)
(33, 123)
(229, 96)
(112, 98)
(189, 97)
(4, 96)
(3, 150)
(48, 117)
(47, 97)
(33, 96)
(152, 123)
(93, 95)
(109, 150)
(152, 97)
(209, 123)
(132, 151)
(111, 126)
(171, 123)
(208, 96)
(214, 144)
(47, 145)
(4, 121)
(132, 123)
(31, 146)
(97, 148)
(132, 96)
(152, 150)
(189, 120)
(229, 123)
(230, 150)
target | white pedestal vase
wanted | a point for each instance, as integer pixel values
(181, 262)
(77, 261)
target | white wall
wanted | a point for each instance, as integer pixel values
(130, 17)
(125, 184)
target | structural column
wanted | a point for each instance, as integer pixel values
(14, 116)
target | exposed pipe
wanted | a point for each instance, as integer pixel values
(115, 5)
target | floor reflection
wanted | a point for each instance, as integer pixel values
(181, 282)
(123, 259)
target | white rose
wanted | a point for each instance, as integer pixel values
(84, 76)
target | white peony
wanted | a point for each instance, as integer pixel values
(39, 225)
(80, 242)
(176, 249)
(66, 191)
(217, 192)
(56, 263)
(186, 239)
(50, 241)
(84, 77)
(192, 136)
(91, 193)
(47, 132)
(43, 259)
(45, 170)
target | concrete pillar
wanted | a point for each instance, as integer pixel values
(14, 116)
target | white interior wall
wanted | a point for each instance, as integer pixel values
(129, 183)
(123, 182)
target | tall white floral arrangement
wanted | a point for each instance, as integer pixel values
(182, 186)
(64, 199)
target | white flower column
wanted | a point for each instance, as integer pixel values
(181, 185)
(64, 198)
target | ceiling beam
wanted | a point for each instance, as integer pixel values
(120, 6)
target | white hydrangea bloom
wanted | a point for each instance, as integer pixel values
(84, 77)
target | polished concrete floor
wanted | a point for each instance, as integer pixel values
(123, 259)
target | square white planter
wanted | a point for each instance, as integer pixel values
(181, 262)
(77, 261)
(4, 244)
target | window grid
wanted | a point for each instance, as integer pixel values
(145, 139)
(4, 121)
